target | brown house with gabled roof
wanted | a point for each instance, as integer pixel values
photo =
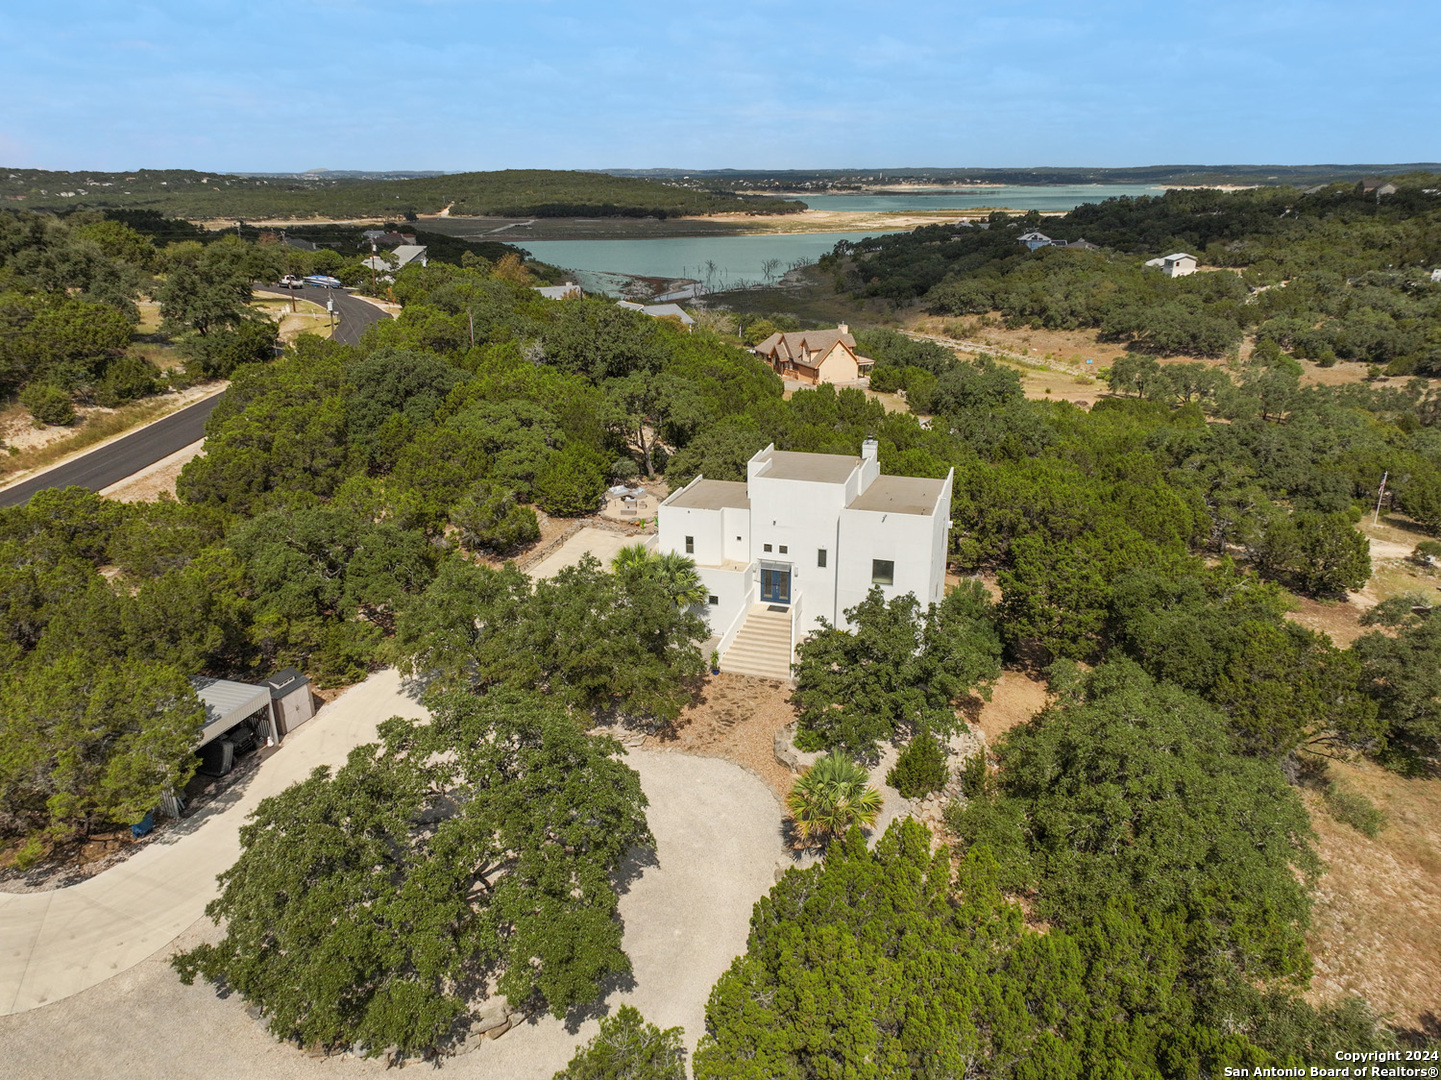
(815, 356)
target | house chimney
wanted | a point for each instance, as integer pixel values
(870, 449)
(844, 328)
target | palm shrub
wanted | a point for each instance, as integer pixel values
(921, 768)
(830, 797)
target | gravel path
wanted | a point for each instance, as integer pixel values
(718, 834)
(55, 944)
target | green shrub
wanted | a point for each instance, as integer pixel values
(217, 354)
(569, 483)
(1353, 809)
(921, 768)
(489, 518)
(974, 775)
(126, 379)
(48, 405)
(628, 1048)
(1427, 553)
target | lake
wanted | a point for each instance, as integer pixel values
(602, 265)
(607, 265)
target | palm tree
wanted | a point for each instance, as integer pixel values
(678, 575)
(631, 557)
(830, 797)
(675, 572)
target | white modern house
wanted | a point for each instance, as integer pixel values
(803, 539)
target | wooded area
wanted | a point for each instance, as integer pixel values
(184, 193)
(1148, 815)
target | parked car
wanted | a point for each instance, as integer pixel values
(290, 281)
(219, 756)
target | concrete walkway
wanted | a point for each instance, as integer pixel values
(56, 944)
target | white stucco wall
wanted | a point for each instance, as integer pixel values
(706, 527)
(908, 540)
(800, 516)
(736, 591)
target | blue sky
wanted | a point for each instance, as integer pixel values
(249, 85)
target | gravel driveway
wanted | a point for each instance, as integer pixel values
(718, 836)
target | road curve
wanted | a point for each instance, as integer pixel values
(355, 314)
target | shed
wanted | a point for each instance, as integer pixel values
(290, 699)
(230, 703)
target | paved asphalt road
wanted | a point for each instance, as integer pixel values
(355, 315)
(112, 463)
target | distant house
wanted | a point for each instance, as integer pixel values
(297, 243)
(1034, 239)
(815, 356)
(659, 311)
(1436, 275)
(403, 256)
(1084, 245)
(569, 291)
(1376, 187)
(1177, 265)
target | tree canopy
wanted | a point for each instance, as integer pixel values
(373, 905)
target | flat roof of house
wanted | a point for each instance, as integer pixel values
(713, 495)
(818, 468)
(899, 495)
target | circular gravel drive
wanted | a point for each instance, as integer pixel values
(717, 830)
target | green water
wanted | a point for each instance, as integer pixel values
(738, 261)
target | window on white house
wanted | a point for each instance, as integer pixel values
(883, 572)
(783, 549)
(766, 547)
(820, 556)
(713, 601)
(690, 545)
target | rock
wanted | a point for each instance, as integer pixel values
(497, 1032)
(784, 749)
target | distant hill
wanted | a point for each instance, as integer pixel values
(848, 179)
(196, 196)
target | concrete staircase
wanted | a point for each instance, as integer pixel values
(762, 648)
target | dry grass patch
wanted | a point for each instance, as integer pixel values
(735, 718)
(1376, 927)
(1015, 698)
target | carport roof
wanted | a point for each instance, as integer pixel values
(227, 703)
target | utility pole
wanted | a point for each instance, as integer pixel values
(373, 286)
(1380, 494)
(470, 317)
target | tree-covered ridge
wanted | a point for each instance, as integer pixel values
(1328, 275)
(184, 193)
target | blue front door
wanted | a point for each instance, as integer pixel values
(776, 586)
